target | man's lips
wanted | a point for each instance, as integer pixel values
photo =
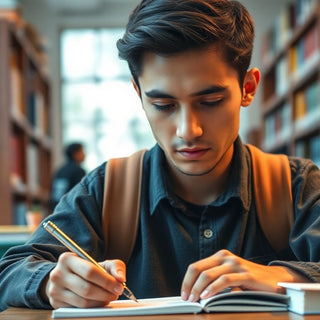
(193, 153)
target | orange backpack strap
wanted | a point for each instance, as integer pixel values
(273, 196)
(121, 204)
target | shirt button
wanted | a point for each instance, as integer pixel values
(208, 233)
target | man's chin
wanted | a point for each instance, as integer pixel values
(193, 172)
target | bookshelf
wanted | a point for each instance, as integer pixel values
(291, 81)
(25, 143)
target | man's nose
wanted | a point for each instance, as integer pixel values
(188, 124)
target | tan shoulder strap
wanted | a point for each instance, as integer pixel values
(121, 204)
(273, 196)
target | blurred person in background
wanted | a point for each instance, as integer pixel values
(69, 174)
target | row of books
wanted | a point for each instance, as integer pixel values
(33, 108)
(25, 166)
(284, 25)
(283, 120)
(309, 148)
(301, 60)
(305, 54)
(306, 107)
(303, 8)
(277, 126)
(17, 163)
(37, 113)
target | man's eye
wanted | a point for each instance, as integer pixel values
(212, 103)
(163, 107)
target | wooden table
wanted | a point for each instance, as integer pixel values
(29, 314)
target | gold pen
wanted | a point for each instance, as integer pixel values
(71, 245)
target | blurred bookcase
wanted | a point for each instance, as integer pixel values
(291, 81)
(25, 143)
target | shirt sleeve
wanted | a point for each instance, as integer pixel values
(305, 234)
(23, 268)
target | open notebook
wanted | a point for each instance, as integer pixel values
(237, 301)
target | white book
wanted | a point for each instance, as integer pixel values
(304, 297)
(235, 301)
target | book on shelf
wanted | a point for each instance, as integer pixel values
(303, 9)
(304, 297)
(293, 60)
(16, 87)
(300, 105)
(312, 97)
(32, 168)
(16, 159)
(281, 76)
(232, 301)
(37, 113)
(307, 106)
(310, 42)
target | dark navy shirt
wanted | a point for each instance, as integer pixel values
(172, 233)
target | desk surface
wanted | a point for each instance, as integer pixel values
(28, 314)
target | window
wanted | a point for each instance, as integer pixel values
(99, 105)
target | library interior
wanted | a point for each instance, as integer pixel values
(62, 83)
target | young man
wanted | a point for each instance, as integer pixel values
(198, 229)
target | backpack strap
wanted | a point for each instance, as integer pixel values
(121, 204)
(273, 196)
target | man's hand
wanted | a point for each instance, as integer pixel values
(209, 276)
(75, 282)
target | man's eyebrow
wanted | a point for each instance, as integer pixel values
(209, 90)
(155, 93)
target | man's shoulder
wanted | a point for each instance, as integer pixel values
(95, 174)
(302, 165)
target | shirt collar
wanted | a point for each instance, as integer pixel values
(158, 189)
(238, 187)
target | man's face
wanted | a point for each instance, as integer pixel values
(192, 101)
(79, 155)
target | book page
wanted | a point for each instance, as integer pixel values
(169, 305)
(144, 303)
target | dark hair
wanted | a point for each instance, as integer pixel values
(171, 26)
(71, 149)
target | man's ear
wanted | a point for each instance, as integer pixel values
(250, 86)
(136, 87)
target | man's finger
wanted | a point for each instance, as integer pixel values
(116, 268)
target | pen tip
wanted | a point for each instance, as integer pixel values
(128, 293)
